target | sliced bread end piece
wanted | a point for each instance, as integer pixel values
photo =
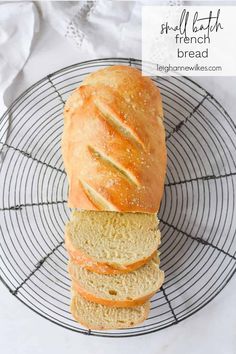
(100, 317)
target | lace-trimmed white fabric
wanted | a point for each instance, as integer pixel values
(102, 28)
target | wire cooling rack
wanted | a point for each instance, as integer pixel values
(198, 251)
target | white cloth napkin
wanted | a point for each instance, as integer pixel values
(18, 23)
(100, 28)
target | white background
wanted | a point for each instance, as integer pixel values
(212, 330)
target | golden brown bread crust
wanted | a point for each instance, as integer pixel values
(110, 302)
(113, 143)
(97, 267)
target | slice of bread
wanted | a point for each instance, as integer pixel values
(100, 317)
(120, 290)
(102, 268)
(112, 238)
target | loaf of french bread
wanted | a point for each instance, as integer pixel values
(114, 152)
(113, 143)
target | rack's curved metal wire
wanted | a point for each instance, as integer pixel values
(198, 251)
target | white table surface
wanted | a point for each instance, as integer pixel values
(211, 330)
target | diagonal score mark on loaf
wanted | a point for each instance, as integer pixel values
(96, 198)
(118, 124)
(114, 164)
